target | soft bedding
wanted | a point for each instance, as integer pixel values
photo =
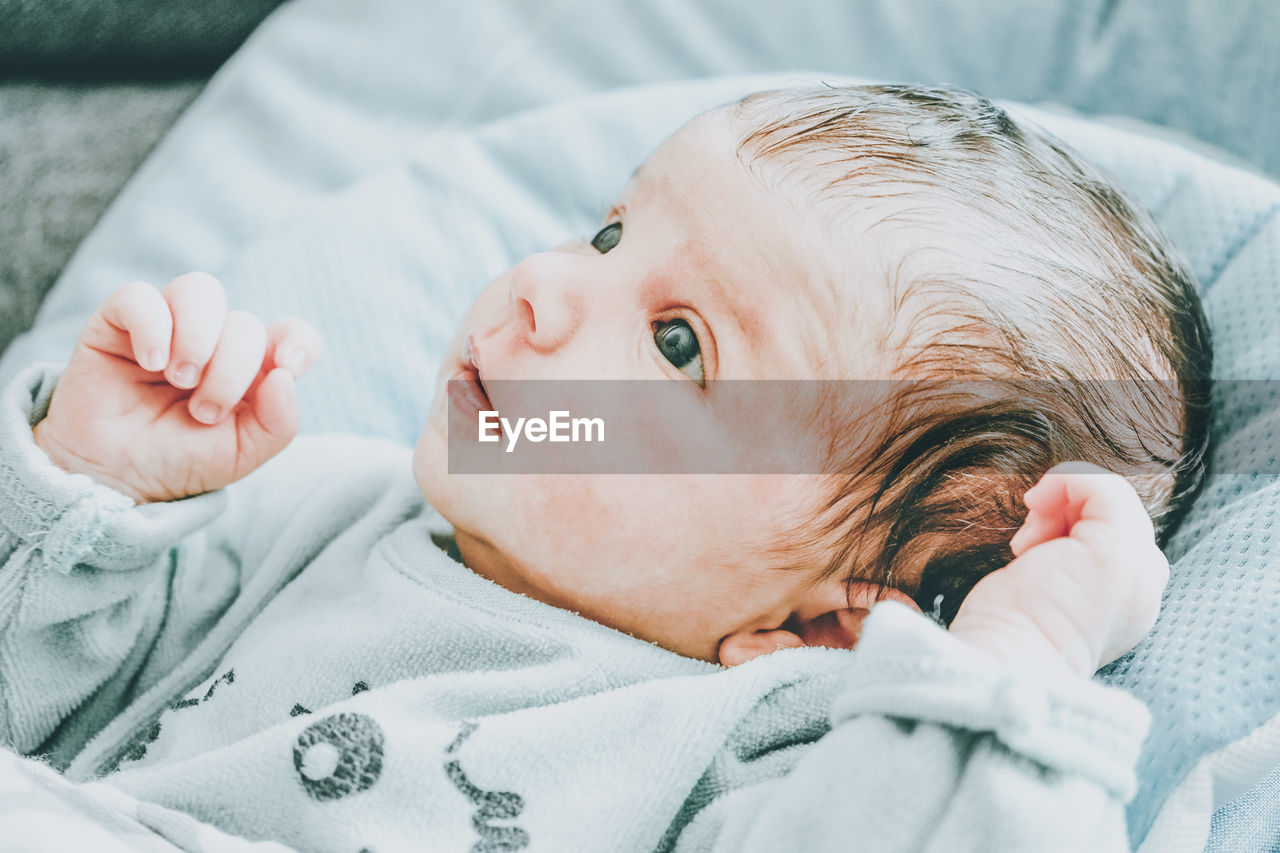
(87, 88)
(303, 149)
(404, 68)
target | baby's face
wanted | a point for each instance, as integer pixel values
(699, 273)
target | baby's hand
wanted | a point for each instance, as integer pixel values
(168, 394)
(1086, 582)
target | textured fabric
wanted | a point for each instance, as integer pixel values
(123, 39)
(431, 217)
(1189, 65)
(1187, 815)
(42, 810)
(305, 663)
(1250, 822)
(433, 228)
(65, 151)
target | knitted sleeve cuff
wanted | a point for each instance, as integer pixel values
(907, 666)
(70, 518)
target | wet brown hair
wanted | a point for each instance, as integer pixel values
(1049, 321)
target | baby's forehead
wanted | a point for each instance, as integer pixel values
(799, 272)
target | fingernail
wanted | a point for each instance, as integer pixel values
(295, 360)
(186, 375)
(153, 360)
(207, 412)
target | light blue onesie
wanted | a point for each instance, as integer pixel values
(296, 658)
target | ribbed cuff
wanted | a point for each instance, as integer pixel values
(909, 667)
(70, 518)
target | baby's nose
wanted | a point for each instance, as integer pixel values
(549, 290)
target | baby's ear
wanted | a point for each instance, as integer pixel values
(837, 628)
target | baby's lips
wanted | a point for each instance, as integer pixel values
(469, 354)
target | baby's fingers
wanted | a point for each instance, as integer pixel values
(293, 344)
(236, 359)
(1081, 491)
(269, 422)
(199, 307)
(1039, 526)
(140, 312)
(1072, 492)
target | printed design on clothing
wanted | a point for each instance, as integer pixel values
(338, 756)
(490, 805)
(228, 677)
(136, 748)
(299, 709)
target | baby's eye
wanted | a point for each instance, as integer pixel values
(679, 345)
(607, 237)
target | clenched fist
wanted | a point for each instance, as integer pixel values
(1086, 581)
(168, 394)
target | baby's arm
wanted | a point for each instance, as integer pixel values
(990, 737)
(89, 579)
(168, 394)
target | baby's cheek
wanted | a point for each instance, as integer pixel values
(585, 504)
(428, 465)
(609, 520)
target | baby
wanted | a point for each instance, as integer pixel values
(893, 233)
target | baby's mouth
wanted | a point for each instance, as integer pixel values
(471, 363)
(469, 392)
(466, 389)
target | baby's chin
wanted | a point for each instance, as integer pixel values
(454, 497)
(431, 463)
